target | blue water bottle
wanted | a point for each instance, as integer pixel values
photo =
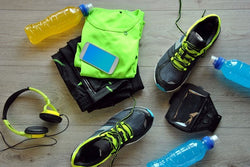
(186, 154)
(233, 70)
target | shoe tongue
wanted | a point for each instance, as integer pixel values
(196, 41)
(103, 146)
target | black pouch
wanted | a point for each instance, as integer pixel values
(191, 110)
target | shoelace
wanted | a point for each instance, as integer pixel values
(179, 17)
(118, 135)
(121, 133)
(185, 56)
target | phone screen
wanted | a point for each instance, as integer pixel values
(99, 58)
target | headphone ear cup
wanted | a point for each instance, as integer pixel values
(36, 130)
(50, 117)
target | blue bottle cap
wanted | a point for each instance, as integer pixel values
(86, 9)
(218, 62)
(209, 141)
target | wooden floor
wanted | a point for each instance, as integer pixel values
(23, 64)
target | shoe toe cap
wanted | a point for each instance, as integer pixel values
(140, 122)
(168, 78)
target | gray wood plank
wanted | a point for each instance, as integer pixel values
(119, 4)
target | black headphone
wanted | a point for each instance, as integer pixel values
(50, 115)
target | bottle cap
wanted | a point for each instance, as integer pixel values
(210, 141)
(86, 8)
(217, 61)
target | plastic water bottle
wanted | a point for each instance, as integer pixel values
(186, 154)
(57, 22)
(233, 70)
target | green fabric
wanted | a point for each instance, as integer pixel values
(116, 31)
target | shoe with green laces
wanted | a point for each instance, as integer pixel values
(175, 65)
(123, 128)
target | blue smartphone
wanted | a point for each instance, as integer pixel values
(99, 58)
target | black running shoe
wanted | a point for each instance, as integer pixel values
(175, 65)
(125, 127)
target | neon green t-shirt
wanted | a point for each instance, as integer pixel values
(116, 31)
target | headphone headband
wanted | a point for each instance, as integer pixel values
(13, 97)
(10, 100)
(53, 112)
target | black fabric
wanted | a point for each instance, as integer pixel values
(196, 40)
(192, 110)
(93, 152)
(92, 93)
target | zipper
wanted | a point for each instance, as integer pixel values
(88, 85)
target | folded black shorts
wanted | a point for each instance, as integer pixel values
(92, 93)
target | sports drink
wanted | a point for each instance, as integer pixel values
(186, 154)
(57, 22)
(233, 70)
